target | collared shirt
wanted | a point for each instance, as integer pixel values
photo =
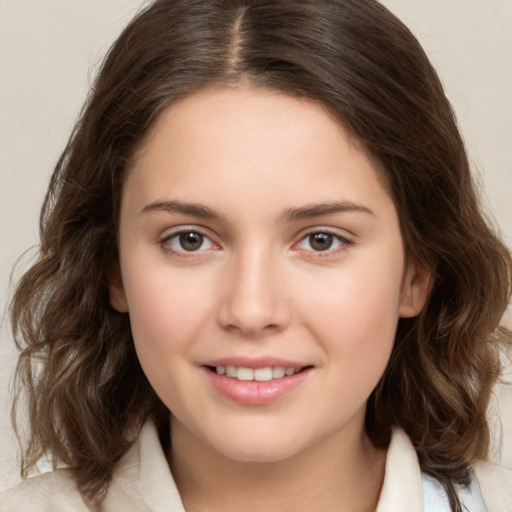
(142, 482)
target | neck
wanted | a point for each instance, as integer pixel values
(342, 473)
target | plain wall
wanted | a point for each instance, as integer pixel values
(49, 50)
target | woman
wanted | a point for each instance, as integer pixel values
(264, 224)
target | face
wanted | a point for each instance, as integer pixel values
(262, 268)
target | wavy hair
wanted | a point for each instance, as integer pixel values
(87, 394)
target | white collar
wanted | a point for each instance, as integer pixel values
(402, 490)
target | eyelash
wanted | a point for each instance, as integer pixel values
(183, 253)
(343, 242)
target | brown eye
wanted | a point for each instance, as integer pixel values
(323, 242)
(187, 241)
(320, 241)
(191, 241)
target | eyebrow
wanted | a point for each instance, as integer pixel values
(289, 215)
(317, 210)
(191, 209)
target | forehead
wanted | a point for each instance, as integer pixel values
(252, 141)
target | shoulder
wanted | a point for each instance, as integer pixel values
(490, 490)
(406, 488)
(49, 492)
(141, 481)
(436, 500)
(495, 484)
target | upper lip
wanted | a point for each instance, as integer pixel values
(255, 362)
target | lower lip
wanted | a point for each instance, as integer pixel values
(254, 392)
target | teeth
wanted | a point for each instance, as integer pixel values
(258, 374)
(245, 373)
(263, 374)
(278, 372)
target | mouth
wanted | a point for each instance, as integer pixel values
(263, 374)
(256, 381)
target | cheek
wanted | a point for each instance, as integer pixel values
(355, 315)
(167, 311)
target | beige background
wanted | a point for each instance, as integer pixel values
(49, 50)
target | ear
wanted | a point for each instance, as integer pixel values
(416, 288)
(116, 289)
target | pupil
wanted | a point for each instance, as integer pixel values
(321, 241)
(191, 241)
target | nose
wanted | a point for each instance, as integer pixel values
(254, 295)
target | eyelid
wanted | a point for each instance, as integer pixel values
(178, 230)
(340, 235)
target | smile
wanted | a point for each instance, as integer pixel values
(256, 384)
(265, 374)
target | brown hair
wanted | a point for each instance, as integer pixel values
(86, 390)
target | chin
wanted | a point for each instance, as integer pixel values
(262, 447)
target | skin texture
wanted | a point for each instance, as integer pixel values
(257, 287)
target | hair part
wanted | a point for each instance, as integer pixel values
(87, 393)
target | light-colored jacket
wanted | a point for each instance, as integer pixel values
(142, 482)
